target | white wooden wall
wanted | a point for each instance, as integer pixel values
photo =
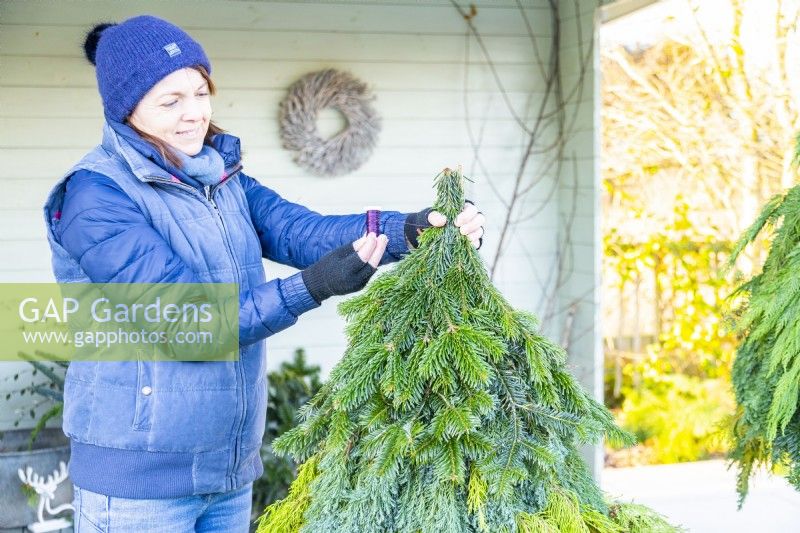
(423, 71)
(579, 202)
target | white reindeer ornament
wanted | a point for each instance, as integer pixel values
(46, 489)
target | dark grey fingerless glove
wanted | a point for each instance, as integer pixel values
(338, 272)
(415, 224)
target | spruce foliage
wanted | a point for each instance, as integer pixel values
(289, 387)
(449, 413)
(766, 371)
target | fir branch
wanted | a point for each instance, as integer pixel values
(768, 215)
(766, 370)
(449, 411)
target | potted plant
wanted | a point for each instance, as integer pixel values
(289, 388)
(40, 448)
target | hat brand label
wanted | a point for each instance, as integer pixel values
(172, 49)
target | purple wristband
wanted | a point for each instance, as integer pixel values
(373, 220)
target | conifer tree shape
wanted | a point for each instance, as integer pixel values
(766, 371)
(449, 413)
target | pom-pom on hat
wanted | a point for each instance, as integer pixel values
(132, 56)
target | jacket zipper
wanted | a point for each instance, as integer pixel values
(210, 190)
(207, 190)
(209, 196)
(238, 364)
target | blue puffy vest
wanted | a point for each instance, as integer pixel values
(143, 429)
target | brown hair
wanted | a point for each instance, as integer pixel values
(166, 151)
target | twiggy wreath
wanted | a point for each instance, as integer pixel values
(347, 150)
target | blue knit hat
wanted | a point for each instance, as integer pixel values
(132, 56)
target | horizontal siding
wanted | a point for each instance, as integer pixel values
(411, 53)
(275, 163)
(25, 194)
(358, 18)
(439, 102)
(38, 133)
(33, 40)
(238, 74)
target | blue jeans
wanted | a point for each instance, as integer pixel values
(227, 512)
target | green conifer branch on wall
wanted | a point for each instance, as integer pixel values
(448, 413)
(766, 371)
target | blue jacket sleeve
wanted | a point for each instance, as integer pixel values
(294, 235)
(104, 230)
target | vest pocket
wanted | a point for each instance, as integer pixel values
(145, 393)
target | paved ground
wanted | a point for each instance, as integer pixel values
(701, 496)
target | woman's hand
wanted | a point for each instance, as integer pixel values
(470, 221)
(345, 269)
(371, 248)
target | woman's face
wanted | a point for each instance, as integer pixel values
(176, 110)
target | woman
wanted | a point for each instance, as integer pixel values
(174, 446)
